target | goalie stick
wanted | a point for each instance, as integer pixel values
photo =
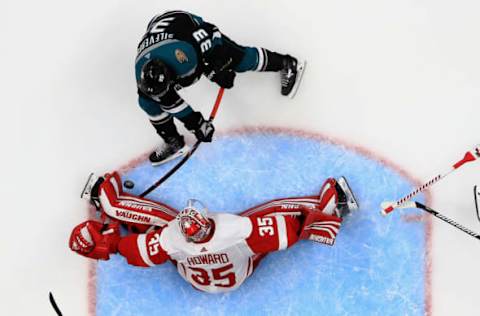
(476, 195)
(413, 204)
(190, 153)
(468, 157)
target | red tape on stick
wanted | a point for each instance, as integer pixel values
(468, 157)
(217, 103)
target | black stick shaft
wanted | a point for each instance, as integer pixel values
(447, 220)
(189, 154)
(172, 171)
(54, 304)
(476, 194)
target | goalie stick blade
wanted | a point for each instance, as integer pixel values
(469, 156)
(300, 70)
(387, 204)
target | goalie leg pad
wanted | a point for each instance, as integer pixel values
(323, 223)
(329, 198)
(138, 213)
(321, 228)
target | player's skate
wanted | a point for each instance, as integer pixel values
(291, 75)
(172, 148)
(346, 200)
(90, 190)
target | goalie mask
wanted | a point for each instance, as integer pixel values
(155, 79)
(193, 221)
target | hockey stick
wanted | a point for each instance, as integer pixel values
(468, 157)
(476, 195)
(54, 304)
(413, 204)
(190, 153)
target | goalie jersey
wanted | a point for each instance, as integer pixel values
(221, 263)
(225, 255)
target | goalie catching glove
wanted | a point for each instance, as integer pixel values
(95, 240)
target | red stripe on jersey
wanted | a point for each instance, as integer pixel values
(143, 250)
(128, 248)
(293, 229)
(154, 249)
(266, 235)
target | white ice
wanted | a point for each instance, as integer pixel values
(398, 78)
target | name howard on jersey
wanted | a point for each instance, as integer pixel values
(208, 259)
(153, 39)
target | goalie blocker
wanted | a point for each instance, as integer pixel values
(215, 252)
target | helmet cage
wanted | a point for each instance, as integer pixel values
(193, 222)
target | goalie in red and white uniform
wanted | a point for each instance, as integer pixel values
(215, 252)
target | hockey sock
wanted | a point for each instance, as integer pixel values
(271, 61)
(166, 129)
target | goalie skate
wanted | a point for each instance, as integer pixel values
(90, 190)
(87, 189)
(351, 202)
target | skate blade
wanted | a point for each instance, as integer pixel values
(87, 189)
(351, 200)
(300, 70)
(182, 152)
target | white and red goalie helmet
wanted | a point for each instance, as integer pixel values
(193, 221)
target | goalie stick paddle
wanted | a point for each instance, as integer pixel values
(468, 157)
(190, 153)
(413, 204)
(54, 304)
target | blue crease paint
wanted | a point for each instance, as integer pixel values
(377, 266)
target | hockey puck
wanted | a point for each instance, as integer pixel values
(128, 184)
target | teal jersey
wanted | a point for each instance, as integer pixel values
(180, 39)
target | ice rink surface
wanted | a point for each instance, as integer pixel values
(377, 266)
(398, 80)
